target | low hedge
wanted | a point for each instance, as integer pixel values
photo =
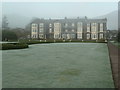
(59, 41)
(7, 46)
(24, 44)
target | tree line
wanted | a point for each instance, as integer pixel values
(12, 34)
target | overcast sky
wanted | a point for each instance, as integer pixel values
(59, 9)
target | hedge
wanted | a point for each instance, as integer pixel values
(59, 41)
(7, 46)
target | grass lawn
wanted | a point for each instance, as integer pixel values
(64, 65)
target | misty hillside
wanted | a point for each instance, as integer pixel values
(112, 20)
(17, 21)
(21, 21)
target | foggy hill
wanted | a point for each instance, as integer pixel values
(21, 21)
(112, 20)
(17, 21)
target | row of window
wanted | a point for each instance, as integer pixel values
(66, 24)
(79, 30)
(79, 36)
(34, 30)
(50, 25)
(40, 36)
(94, 30)
(57, 36)
(64, 36)
(93, 36)
(71, 36)
(40, 30)
(68, 36)
(34, 36)
(50, 30)
(36, 25)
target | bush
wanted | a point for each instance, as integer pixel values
(7, 46)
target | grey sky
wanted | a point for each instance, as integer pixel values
(59, 10)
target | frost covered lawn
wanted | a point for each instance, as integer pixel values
(67, 65)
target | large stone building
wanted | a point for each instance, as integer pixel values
(79, 28)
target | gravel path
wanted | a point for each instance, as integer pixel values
(114, 57)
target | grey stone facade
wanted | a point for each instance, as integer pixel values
(79, 28)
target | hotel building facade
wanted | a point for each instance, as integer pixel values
(69, 29)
